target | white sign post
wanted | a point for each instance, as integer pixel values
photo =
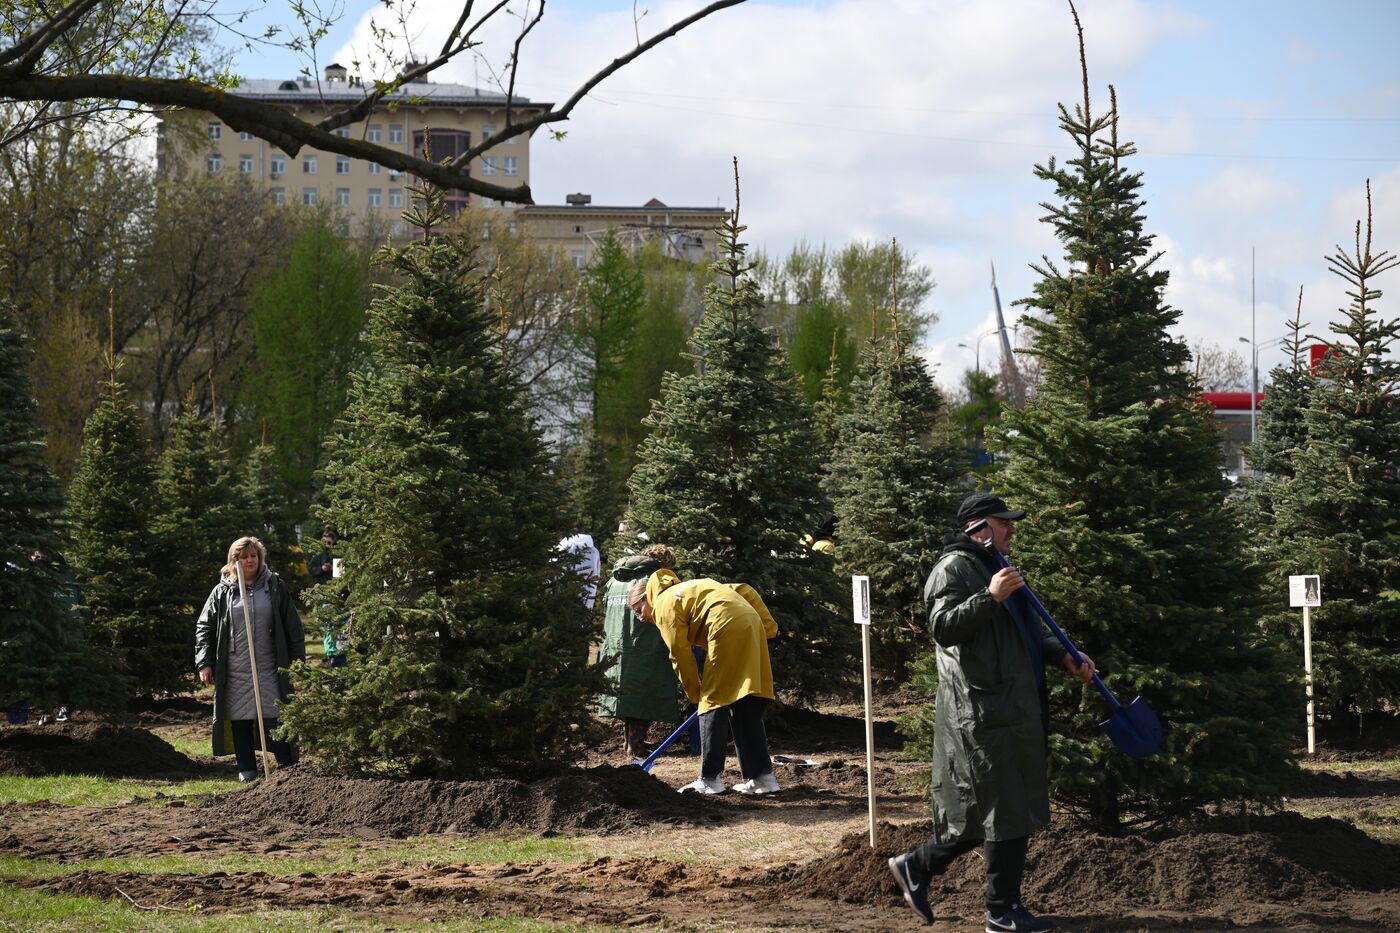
(860, 609)
(1306, 591)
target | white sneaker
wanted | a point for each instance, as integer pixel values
(763, 784)
(705, 786)
(245, 777)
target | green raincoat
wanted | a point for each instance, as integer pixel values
(989, 775)
(639, 666)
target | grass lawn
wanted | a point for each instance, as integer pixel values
(78, 790)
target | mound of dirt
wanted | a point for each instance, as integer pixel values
(602, 799)
(1283, 858)
(90, 748)
(792, 727)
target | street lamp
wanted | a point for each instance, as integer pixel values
(1254, 378)
(977, 347)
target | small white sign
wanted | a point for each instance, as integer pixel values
(1305, 590)
(860, 599)
(335, 567)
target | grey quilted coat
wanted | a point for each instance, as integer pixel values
(278, 640)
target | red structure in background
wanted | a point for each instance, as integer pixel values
(1232, 401)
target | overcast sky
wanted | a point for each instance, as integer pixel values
(1258, 124)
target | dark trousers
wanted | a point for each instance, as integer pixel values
(744, 717)
(245, 744)
(1006, 863)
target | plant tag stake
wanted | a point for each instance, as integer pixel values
(1305, 590)
(860, 609)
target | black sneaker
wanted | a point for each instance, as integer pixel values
(1017, 920)
(913, 884)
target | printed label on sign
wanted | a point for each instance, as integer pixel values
(335, 567)
(860, 599)
(1305, 590)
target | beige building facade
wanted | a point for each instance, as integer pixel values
(447, 118)
(578, 226)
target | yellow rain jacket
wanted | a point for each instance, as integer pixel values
(730, 622)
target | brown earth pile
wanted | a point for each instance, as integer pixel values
(99, 748)
(798, 729)
(1282, 858)
(602, 799)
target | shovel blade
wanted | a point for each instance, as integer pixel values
(1134, 729)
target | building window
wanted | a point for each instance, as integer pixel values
(214, 163)
(279, 196)
(512, 227)
(373, 133)
(375, 168)
(488, 202)
(510, 164)
(308, 165)
(487, 132)
(396, 134)
(308, 196)
(488, 165)
(216, 129)
(245, 164)
(577, 256)
(396, 197)
(445, 144)
(578, 229)
(342, 197)
(374, 197)
(246, 137)
(279, 165)
(342, 165)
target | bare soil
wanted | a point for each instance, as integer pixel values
(797, 860)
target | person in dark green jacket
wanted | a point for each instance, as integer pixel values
(638, 664)
(989, 747)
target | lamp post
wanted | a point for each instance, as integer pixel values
(1254, 349)
(977, 348)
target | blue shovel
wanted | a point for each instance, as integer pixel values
(1133, 728)
(651, 759)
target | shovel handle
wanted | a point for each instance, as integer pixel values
(651, 759)
(1059, 633)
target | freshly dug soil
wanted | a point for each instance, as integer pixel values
(1282, 858)
(602, 799)
(792, 727)
(90, 748)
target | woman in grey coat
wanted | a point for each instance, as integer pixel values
(221, 655)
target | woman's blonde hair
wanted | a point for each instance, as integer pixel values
(661, 554)
(241, 548)
(637, 597)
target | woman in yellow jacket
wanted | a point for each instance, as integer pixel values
(732, 625)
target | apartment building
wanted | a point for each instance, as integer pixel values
(577, 226)
(447, 118)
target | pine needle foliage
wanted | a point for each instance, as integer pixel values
(1339, 516)
(273, 502)
(468, 638)
(729, 477)
(1128, 541)
(204, 507)
(45, 657)
(117, 556)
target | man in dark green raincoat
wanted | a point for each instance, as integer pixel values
(989, 776)
(639, 664)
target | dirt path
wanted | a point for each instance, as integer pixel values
(652, 859)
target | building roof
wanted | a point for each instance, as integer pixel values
(343, 93)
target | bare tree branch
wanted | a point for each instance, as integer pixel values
(515, 60)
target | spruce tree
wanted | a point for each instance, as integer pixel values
(1128, 541)
(895, 483)
(272, 501)
(468, 638)
(204, 507)
(1339, 516)
(117, 556)
(45, 657)
(729, 477)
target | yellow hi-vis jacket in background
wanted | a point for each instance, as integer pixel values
(730, 622)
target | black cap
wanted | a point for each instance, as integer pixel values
(985, 505)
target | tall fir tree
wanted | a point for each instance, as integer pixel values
(832, 403)
(45, 656)
(117, 556)
(273, 502)
(1339, 516)
(1282, 428)
(204, 507)
(895, 481)
(1128, 540)
(729, 477)
(468, 636)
